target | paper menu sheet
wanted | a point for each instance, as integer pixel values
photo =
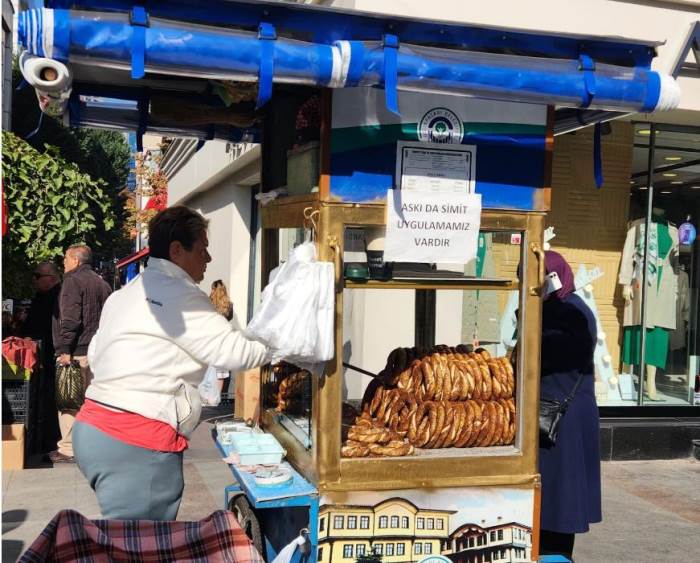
(435, 168)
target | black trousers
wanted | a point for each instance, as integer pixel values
(556, 543)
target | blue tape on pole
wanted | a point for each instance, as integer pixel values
(139, 22)
(597, 160)
(266, 35)
(653, 82)
(61, 35)
(357, 63)
(587, 65)
(391, 47)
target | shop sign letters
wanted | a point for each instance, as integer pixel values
(432, 227)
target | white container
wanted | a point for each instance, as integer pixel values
(257, 449)
(226, 430)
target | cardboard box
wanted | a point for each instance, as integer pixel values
(12, 446)
(247, 398)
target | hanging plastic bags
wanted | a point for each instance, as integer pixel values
(209, 388)
(295, 318)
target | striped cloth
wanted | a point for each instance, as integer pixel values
(72, 537)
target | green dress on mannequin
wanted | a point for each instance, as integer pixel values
(657, 337)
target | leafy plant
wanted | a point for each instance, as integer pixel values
(51, 204)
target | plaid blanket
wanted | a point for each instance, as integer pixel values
(72, 537)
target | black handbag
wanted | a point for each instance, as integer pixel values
(551, 413)
(70, 389)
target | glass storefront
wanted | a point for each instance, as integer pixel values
(659, 276)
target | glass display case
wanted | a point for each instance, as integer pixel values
(435, 379)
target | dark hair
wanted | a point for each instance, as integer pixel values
(81, 252)
(178, 223)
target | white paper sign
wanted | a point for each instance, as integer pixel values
(432, 227)
(435, 168)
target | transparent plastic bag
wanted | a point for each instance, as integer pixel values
(295, 318)
(209, 388)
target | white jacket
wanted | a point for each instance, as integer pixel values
(157, 335)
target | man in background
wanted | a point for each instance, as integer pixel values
(43, 324)
(82, 296)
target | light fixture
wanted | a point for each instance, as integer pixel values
(644, 132)
(632, 182)
(643, 188)
(665, 192)
(669, 174)
(677, 182)
(673, 158)
(695, 187)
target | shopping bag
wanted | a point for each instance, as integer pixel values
(296, 316)
(70, 387)
(209, 388)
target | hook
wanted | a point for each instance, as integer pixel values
(310, 221)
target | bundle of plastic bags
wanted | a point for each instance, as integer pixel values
(295, 318)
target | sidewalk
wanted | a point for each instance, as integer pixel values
(651, 509)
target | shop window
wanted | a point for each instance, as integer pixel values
(500, 534)
(389, 549)
(338, 522)
(439, 523)
(394, 521)
(364, 522)
(404, 522)
(431, 524)
(347, 551)
(352, 522)
(418, 549)
(400, 549)
(420, 523)
(428, 549)
(383, 521)
(359, 550)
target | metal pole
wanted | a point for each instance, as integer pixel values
(647, 225)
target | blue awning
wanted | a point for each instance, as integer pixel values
(269, 43)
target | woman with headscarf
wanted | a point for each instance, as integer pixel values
(571, 468)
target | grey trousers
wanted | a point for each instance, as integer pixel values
(131, 483)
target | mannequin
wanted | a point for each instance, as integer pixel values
(661, 294)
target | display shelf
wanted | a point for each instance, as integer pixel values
(428, 283)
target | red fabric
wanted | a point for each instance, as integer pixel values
(20, 351)
(132, 428)
(72, 537)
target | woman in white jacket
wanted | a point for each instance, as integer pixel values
(156, 337)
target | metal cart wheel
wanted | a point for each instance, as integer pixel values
(245, 514)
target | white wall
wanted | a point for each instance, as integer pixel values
(665, 21)
(227, 206)
(220, 187)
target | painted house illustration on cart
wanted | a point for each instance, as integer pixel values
(398, 531)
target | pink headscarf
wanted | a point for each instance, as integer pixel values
(555, 262)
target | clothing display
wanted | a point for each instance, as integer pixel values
(679, 337)
(480, 312)
(663, 254)
(662, 289)
(656, 353)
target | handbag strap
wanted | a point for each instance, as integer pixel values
(571, 395)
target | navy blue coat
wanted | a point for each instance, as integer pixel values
(571, 469)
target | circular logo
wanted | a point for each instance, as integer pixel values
(435, 559)
(440, 125)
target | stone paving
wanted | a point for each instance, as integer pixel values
(651, 509)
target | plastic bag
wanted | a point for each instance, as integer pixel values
(209, 388)
(70, 388)
(296, 316)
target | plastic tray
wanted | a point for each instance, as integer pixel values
(257, 449)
